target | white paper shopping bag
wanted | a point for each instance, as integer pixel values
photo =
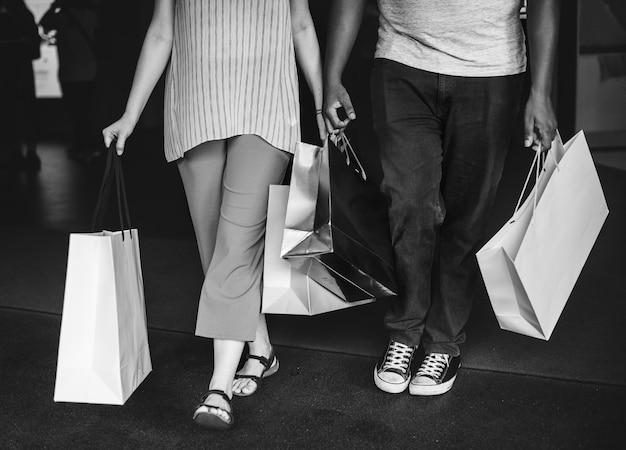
(103, 346)
(531, 265)
(285, 289)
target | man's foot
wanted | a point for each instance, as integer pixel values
(393, 373)
(436, 374)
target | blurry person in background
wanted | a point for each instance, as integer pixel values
(74, 25)
(19, 46)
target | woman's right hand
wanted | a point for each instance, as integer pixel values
(118, 131)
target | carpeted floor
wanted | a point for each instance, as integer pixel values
(316, 400)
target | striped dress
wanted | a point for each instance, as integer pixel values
(232, 72)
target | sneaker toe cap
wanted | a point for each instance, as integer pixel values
(423, 381)
(391, 377)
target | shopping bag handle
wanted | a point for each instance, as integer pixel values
(537, 164)
(533, 165)
(343, 145)
(113, 173)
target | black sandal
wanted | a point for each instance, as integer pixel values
(270, 367)
(205, 415)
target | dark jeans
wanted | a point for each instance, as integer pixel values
(443, 142)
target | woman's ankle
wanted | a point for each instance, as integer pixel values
(222, 385)
(260, 348)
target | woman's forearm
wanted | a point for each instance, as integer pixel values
(310, 61)
(307, 48)
(153, 59)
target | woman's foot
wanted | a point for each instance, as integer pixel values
(256, 367)
(215, 411)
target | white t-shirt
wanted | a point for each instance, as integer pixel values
(473, 38)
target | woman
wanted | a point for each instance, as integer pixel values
(231, 125)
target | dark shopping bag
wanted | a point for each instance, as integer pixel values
(103, 346)
(337, 228)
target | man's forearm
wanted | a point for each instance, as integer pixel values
(344, 22)
(543, 30)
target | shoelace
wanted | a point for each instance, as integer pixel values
(398, 357)
(434, 365)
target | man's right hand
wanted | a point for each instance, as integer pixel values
(336, 99)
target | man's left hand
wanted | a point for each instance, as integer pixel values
(540, 122)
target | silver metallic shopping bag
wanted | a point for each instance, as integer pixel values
(337, 228)
(285, 289)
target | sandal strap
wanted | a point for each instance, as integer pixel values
(255, 378)
(217, 392)
(267, 362)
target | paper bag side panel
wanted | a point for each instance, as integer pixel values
(567, 222)
(89, 345)
(135, 363)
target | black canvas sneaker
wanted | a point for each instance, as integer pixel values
(393, 373)
(436, 375)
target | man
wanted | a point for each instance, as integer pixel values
(446, 88)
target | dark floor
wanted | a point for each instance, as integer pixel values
(512, 391)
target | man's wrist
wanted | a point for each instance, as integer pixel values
(331, 77)
(540, 93)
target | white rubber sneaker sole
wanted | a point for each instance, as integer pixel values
(434, 389)
(391, 388)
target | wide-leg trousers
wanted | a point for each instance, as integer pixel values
(227, 186)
